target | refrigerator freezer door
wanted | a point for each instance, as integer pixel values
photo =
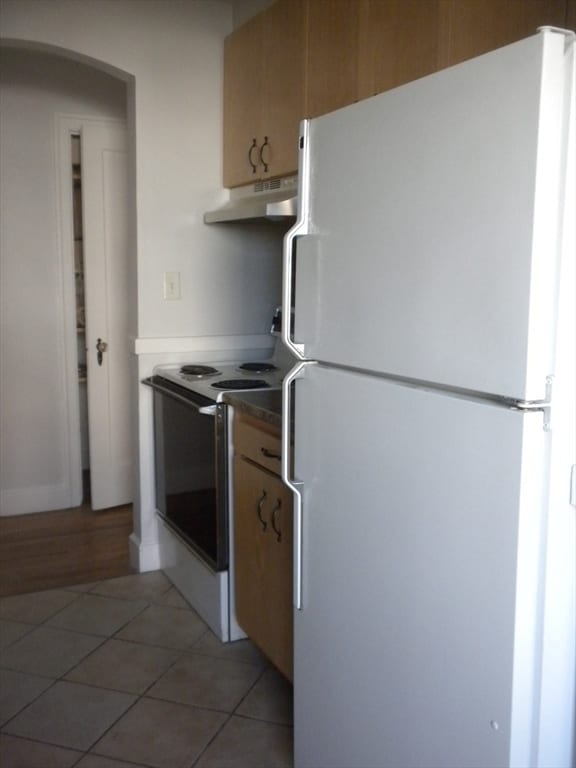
(416, 644)
(433, 225)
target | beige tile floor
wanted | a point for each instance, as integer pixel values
(124, 674)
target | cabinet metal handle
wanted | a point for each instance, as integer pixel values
(270, 454)
(259, 511)
(101, 347)
(264, 163)
(275, 528)
(253, 165)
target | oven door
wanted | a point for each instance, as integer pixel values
(190, 443)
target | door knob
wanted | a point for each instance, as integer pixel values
(101, 347)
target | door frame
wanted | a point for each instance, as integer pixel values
(68, 125)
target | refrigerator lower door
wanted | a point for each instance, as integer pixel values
(417, 642)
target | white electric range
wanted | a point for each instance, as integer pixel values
(193, 471)
(213, 380)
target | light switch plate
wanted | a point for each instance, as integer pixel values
(171, 286)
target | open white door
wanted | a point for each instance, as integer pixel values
(105, 203)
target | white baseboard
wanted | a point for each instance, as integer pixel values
(144, 557)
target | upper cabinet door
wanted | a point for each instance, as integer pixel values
(332, 45)
(264, 94)
(243, 74)
(400, 41)
(571, 15)
(475, 27)
(283, 47)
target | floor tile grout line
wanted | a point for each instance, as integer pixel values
(52, 615)
(122, 690)
(212, 740)
(104, 638)
(205, 654)
(249, 691)
(145, 693)
(5, 648)
(254, 719)
(61, 678)
(181, 653)
(197, 707)
(44, 743)
(116, 721)
(243, 717)
(28, 704)
(191, 707)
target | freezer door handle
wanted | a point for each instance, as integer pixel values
(299, 228)
(287, 475)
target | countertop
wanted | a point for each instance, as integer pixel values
(261, 404)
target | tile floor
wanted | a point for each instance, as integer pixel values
(124, 674)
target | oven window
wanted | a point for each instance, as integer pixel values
(187, 477)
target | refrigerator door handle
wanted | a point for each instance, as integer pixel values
(299, 228)
(295, 486)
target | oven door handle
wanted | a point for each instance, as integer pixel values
(205, 410)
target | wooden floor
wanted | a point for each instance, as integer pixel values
(62, 548)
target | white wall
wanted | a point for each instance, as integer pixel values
(242, 10)
(170, 54)
(173, 49)
(33, 417)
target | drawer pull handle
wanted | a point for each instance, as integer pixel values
(259, 511)
(270, 454)
(275, 527)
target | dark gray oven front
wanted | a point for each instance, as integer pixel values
(190, 450)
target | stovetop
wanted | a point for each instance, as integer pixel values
(213, 380)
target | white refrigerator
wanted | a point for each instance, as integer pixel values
(429, 293)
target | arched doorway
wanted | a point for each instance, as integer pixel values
(42, 467)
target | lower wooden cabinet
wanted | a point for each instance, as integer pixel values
(263, 556)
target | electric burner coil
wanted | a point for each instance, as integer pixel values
(199, 371)
(258, 367)
(240, 384)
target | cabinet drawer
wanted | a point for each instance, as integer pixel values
(258, 442)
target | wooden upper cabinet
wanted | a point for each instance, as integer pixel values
(400, 41)
(303, 58)
(475, 27)
(242, 101)
(264, 94)
(332, 54)
(283, 85)
(571, 15)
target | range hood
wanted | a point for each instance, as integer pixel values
(274, 200)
